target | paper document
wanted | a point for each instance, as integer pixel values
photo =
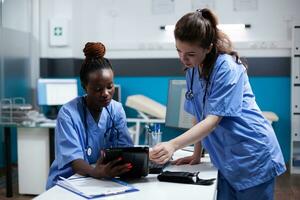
(89, 187)
(185, 118)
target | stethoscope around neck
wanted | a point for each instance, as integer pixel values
(189, 95)
(88, 148)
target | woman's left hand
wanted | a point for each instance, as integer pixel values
(162, 152)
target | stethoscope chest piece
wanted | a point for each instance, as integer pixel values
(189, 95)
(89, 151)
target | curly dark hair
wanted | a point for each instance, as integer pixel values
(94, 60)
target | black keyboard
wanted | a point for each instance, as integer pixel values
(155, 168)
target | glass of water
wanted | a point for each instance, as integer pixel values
(153, 135)
(153, 138)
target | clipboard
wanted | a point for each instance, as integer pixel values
(90, 188)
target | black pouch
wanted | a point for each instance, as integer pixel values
(184, 177)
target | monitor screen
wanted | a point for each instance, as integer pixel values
(117, 94)
(53, 92)
(176, 116)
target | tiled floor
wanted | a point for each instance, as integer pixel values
(15, 188)
(287, 188)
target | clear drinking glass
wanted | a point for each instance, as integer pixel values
(153, 135)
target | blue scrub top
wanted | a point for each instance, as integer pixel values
(243, 147)
(70, 136)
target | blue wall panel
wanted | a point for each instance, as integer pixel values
(153, 87)
(272, 94)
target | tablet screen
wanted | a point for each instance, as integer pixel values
(137, 156)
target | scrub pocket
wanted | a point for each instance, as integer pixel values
(244, 160)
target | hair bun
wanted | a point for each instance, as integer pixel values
(94, 50)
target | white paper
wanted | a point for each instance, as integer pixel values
(163, 6)
(185, 119)
(89, 187)
(245, 5)
(200, 4)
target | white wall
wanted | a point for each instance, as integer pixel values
(129, 28)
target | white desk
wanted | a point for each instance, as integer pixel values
(36, 144)
(35, 154)
(150, 188)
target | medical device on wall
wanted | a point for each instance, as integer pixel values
(176, 116)
(56, 92)
(58, 32)
(146, 105)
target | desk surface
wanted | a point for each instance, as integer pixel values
(150, 188)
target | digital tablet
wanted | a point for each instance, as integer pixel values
(137, 156)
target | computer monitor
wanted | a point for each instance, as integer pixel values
(176, 116)
(54, 92)
(117, 94)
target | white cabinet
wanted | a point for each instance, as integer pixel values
(295, 101)
(33, 159)
(296, 128)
